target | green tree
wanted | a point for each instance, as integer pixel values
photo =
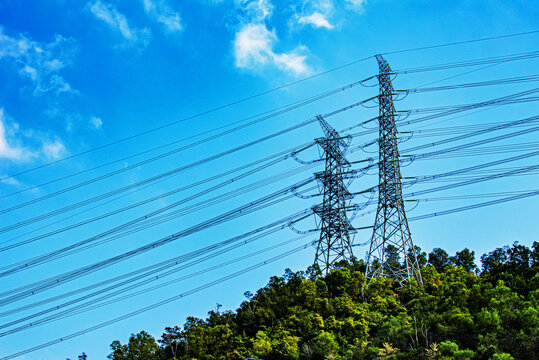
(464, 258)
(534, 255)
(502, 356)
(141, 346)
(421, 256)
(392, 257)
(325, 346)
(454, 314)
(438, 258)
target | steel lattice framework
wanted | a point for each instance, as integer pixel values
(391, 252)
(335, 229)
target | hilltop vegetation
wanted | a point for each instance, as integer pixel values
(459, 312)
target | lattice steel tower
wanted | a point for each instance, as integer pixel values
(391, 252)
(334, 244)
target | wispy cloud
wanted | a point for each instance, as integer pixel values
(96, 122)
(253, 49)
(10, 181)
(118, 22)
(162, 12)
(316, 19)
(23, 145)
(316, 13)
(256, 10)
(254, 44)
(357, 5)
(54, 150)
(8, 149)
(40, 62)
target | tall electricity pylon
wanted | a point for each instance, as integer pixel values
(391, 252)
(334, 244)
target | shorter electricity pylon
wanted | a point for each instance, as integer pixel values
(334, 244)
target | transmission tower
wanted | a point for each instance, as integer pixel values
(391, 252)
(334, 244)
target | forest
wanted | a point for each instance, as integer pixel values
(459, 312)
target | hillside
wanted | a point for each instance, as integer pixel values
(459, 312)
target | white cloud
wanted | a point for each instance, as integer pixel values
(292, 62)
(54, 150)
(357, 5)
(60, 85)
(253, 45)
(316, 13)
(117, 21)
(111, 16)
(96, 122)
(54, 64)
(39, 62)
(19, 145)
(316, 19)
(7, 150)
(161, 12)
(253, 48)
(10, 181)
(256, 10)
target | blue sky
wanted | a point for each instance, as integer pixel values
(75, 75)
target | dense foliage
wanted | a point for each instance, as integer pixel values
(458, 313)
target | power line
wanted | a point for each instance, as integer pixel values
(146, 221)
(447, 110)
(261, 117)
(175, 151)
(462, 171)
(158, 304)
(454, 109)
(445, 212)
(450, 130)
(498, 127)
(165, 195)
(501, 126)
(266, 162)
(476, 206)
(260, 203)
(117, 289)
(512, 80)
(475, 143)
(258, 95)
(466, 63)
(140, 273)
(143, 182)
(156, 177)
(451, 150)
(489, 150)
(460, 74)
(132, 166)
(475, 167)
(187, 118)
(475, 180)
(518, 196)
(460, 42)
(474, 195)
